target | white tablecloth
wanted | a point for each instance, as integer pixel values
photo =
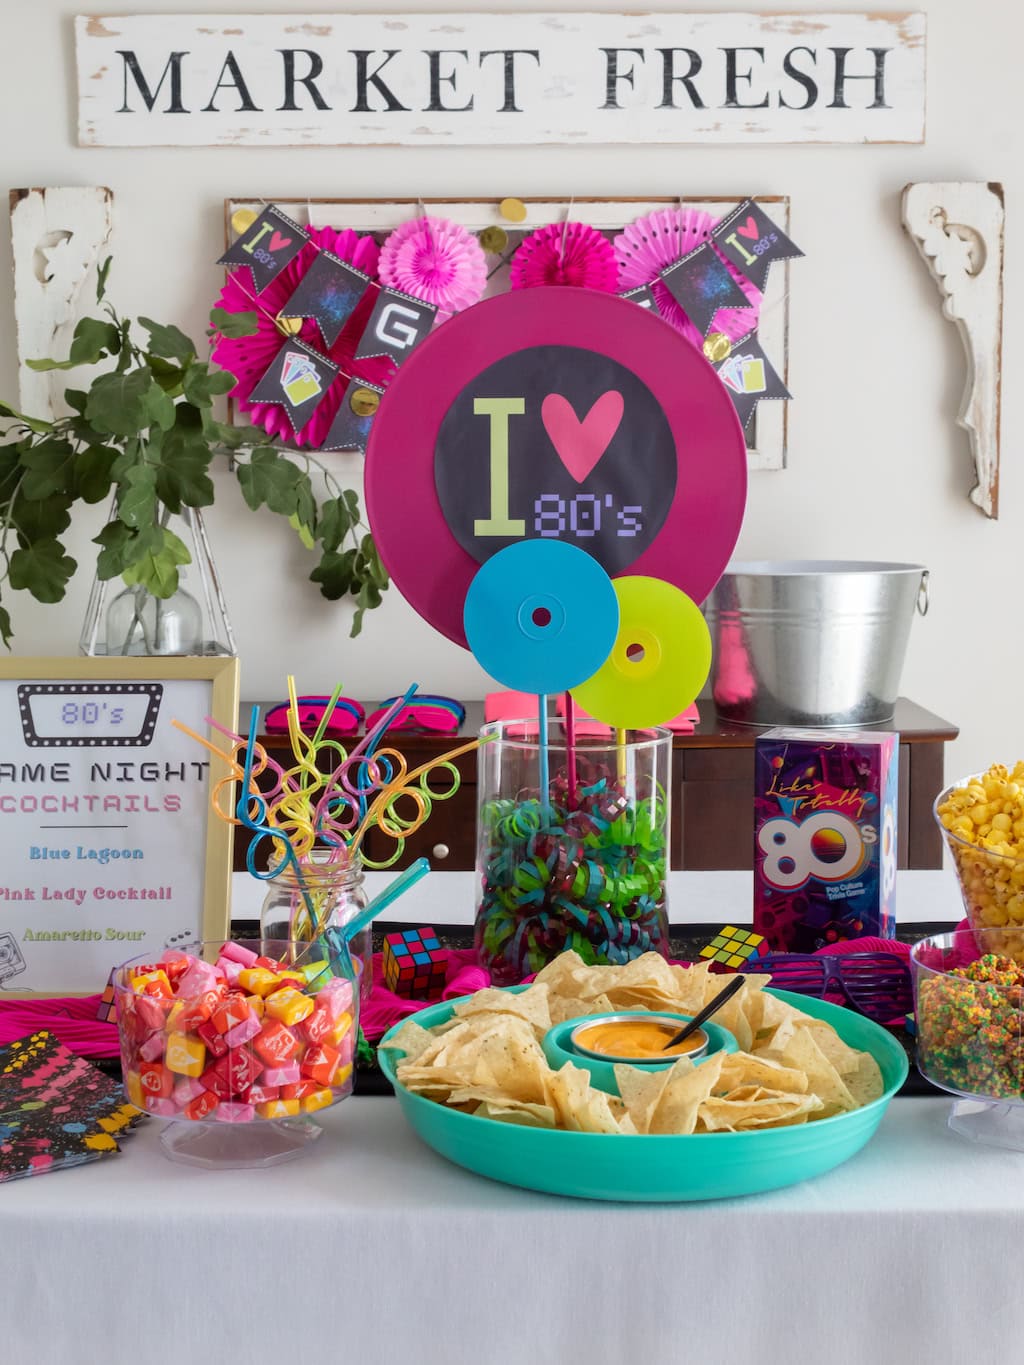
(370, 1248)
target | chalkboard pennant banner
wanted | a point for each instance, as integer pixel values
(329, 292)
(350, 429)
(267, 246)
(749, 377)
(701, 284)
(752, 242)
(643, 294)
(397, 325)
(297, 380)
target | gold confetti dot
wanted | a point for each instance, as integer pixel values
(242, 220)
(291, 327)
(514, 210)
(494, 240)
(717, 347)
(364, 402)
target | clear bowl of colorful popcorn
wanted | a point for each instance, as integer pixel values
(240, 1049)
(969, 1006)
(982, 821)
(572, 847)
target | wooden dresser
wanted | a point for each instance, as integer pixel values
(712, 793)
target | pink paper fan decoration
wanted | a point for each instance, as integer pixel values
(247, 358)
(436, 261)
(566, 253)
(657, 239)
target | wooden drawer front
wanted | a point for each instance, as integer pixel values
(451, 826)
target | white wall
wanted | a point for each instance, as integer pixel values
(877, 468)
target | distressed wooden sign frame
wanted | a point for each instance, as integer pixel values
(491, 79)
(768, 429)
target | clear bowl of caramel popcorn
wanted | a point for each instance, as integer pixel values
(982, 821)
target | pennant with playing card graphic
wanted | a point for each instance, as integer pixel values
(329, 292)
(350, 429)
(752, 242)
(643, 294)
(267, 246)
(297, 380)
(748, 375)
(397, 325)
(701, 284)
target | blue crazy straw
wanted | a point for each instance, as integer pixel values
(338, 939)
(542, 742)
(412, 874)
(381, 730)
(251, 809)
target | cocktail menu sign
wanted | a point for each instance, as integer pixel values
(108, 847)
(485, 79)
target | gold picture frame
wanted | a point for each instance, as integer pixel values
(42, 745)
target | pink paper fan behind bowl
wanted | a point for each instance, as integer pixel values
(658, 239)
(566, 253)
(247, 358)
(437, 261)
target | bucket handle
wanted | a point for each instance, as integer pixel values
(922, 594)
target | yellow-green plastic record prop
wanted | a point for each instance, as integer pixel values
(659, 662)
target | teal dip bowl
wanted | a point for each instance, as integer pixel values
(656, 1169)
(558, 1047)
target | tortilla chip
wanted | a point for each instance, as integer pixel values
(412, 1039)
(795, 1045)
(741, 1068)
(865, 1084)
(578, 1106)
(531, 1005)
(755, 1107)
(667, 1101)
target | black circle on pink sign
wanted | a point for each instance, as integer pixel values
(556, 443)
(427, 564)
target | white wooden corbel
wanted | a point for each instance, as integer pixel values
(58, 239)
(957, 226)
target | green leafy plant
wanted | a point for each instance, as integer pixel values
(144, 432)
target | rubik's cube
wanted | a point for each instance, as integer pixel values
(733, 947)
(414, 963)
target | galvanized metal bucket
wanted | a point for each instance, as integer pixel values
(812, 642)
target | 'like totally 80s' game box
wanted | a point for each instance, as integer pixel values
(824, 837)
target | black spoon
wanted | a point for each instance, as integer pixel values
(706, 1012)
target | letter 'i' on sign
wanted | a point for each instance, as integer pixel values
(499, 410)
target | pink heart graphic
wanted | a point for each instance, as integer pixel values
(580, 445)
(749, 229)
(277, 242)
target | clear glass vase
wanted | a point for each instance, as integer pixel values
(140, 624)
(193, 621)
(582, 865)
(337, 893)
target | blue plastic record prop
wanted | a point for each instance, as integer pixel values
(541, 616)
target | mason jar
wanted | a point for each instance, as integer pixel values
(337, 893)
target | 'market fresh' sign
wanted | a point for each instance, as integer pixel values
(471, 79)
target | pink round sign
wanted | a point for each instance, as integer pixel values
(553, 413)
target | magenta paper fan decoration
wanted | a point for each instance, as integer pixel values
(656, 240)
(248, 358)
(435, 260)
(566, 253)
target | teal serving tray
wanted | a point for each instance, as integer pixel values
(656, 1169)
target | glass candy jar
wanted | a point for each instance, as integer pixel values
(338, 894)
(582, 865)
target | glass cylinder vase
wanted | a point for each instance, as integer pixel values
(337, 894)
(580, 865)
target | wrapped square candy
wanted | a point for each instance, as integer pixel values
(234, 1037)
